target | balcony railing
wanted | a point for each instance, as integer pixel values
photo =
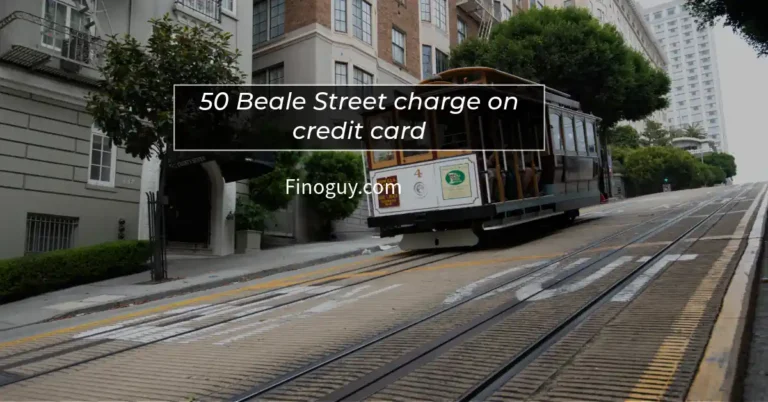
(208, 8)
(40, 44)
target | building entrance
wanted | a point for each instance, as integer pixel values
(188, 212)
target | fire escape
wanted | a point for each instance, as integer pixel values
(484, 13)
(69, 48)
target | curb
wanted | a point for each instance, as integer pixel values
(210, 285)
(718, 376)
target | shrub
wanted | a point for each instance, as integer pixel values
(334, 167)
(35, 274)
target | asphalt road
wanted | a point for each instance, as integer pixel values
(619, 305)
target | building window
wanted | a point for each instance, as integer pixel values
(362, 77)
(102, 172)
(49, 232)
(269, 76)
(340, 71)
(441, 61)
(462, 27)
(398, 46)
(268, 20)
(276, 18)
(671, 11)
(657, 15)
(341, 15)
(361, 20)
(64, 15)
(426, 61)
(441, 14)
(505, 13)
(228, 5)
(426, 10)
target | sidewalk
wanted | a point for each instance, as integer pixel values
(194, 273)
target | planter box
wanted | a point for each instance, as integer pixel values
(247, 241)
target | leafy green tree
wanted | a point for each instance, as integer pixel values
(568, 49)
(726, 162)
(646, 169)
(334, 167)
(747, 18)
(676, 133)
(655, 135)
(134, 104)
(624, 136)
(694, 131)
(270, 190)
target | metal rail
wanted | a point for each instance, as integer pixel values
(262, 389)
(220, 322)
(485, 389)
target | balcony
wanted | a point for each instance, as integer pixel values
(210, 10)
(41, 45)
(477, 8)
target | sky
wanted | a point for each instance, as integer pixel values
(744, 86)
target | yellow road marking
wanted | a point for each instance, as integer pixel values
(675, 345)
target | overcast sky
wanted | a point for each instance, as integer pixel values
(744, 85)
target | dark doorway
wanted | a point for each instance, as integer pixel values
(188, 213)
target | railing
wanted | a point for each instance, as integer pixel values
(49, 232)
(208, 8)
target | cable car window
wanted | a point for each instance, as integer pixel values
(411, 122)
(591, 143)
(570, 145)
(380, 159)
(557, 135)
(581, 142)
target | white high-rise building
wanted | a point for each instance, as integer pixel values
(695, 97)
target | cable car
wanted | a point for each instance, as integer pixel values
(491, 171)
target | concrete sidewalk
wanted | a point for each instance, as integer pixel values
(191, 274)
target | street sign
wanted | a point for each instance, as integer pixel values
(667, 187)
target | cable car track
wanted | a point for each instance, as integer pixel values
(53, 352)
(405, 354)
(151, 318)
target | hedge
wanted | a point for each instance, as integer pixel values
(40, 273)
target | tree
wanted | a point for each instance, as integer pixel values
(747, 18)
(624, 136)
(568, 49)
(694, 131)
(724, 161)
(334, 167)
(134, 105)
(655, 135)
(647, 168)
(270, 190)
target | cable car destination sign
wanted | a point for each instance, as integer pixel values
(261, 117)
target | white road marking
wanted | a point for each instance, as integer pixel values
(466, 291)
(584, 282)
(538, 285)
(322, 308)
(644, 259)
(167, 325)
(629, 292)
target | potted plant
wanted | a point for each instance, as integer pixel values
(249, 225)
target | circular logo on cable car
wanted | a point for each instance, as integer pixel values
(420, 189)
(455, 177)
